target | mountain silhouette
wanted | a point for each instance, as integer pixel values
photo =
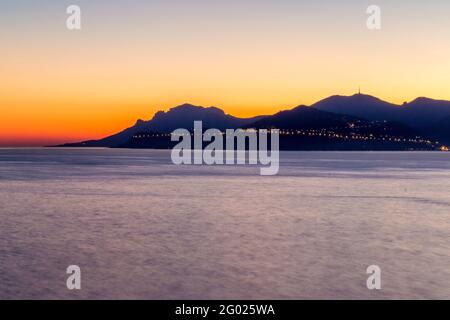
(307, 128)
(425, 112)
(368, 116)
(303, 117)
(309, 118)
(182, 116)
(421, 113)
(440, 130)
(362, 106)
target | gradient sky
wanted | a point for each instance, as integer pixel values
(133, 58)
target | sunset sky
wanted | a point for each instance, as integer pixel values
(248, 57)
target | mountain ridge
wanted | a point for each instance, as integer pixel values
(421, 114)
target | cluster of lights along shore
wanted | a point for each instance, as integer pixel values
(326, 133)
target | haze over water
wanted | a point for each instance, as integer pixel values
(140, 227)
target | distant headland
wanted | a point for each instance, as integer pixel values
(357, 122)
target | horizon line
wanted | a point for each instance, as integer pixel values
(18, 143)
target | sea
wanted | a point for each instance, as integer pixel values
(140, 227)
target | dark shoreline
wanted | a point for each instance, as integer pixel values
(281, 150)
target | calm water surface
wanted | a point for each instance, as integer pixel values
(140, 227)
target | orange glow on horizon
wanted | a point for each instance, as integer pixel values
(129, 62)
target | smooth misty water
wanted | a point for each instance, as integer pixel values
(140, 227)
